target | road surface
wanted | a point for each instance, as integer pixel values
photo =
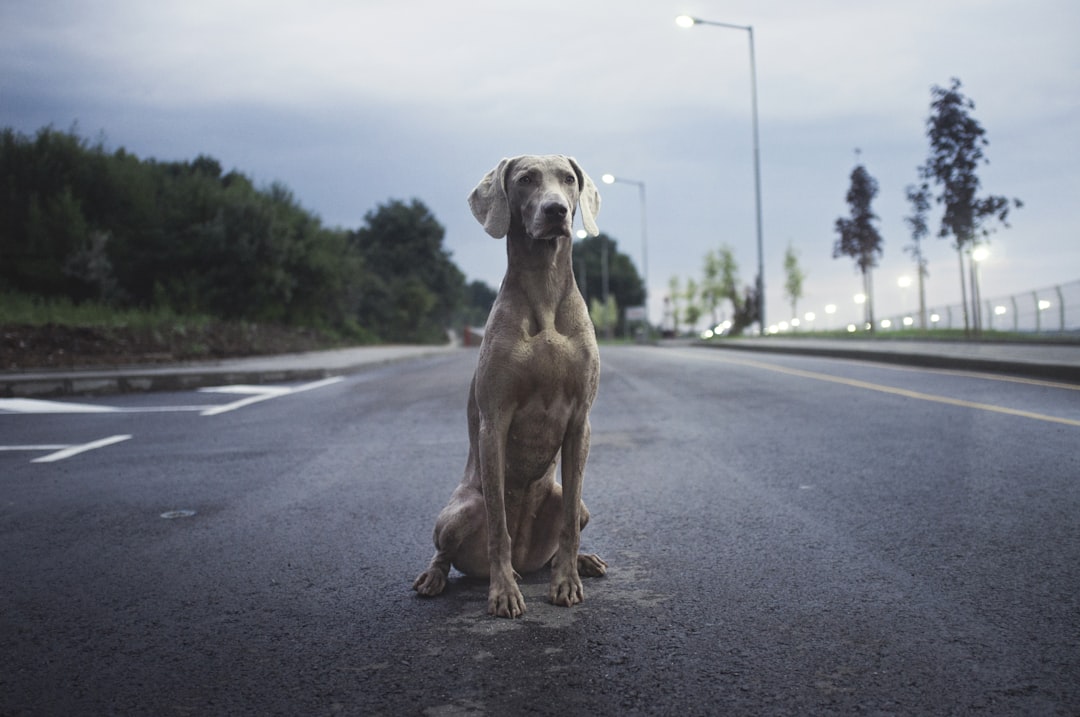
(785, 536)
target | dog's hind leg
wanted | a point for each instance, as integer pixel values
(459, 540)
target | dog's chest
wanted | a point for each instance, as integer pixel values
(554, 383)
(555, 364)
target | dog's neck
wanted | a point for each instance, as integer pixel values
(542, 270)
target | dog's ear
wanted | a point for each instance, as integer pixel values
(589, 198)
(489, 203)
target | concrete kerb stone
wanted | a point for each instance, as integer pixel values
(1032, 369)
(53, 384)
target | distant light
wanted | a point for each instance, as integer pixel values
(608, 179)
(783, 326)
(851, 328)
(904, 282)
(685, 21)
(830, 309)
(908, 321)
(810, 316)
(707, 334)
(860, 298)
(886, 324)
(795, 323)
(1044, 304)
(1000, 311)
(934, 318)
(582, 234)
(980, 253)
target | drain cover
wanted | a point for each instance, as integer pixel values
(171, 514)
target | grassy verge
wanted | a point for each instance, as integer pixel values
(57, 333)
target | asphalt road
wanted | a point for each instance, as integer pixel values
(785, 536)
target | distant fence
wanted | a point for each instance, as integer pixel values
(1052, 310)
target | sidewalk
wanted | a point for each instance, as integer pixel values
(1047, 361)
(178, 377)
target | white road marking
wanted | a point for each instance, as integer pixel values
(69, 451)
(59, 452)
(255, 394)
(33, 405)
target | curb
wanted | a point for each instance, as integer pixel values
(99, 382)
(1031, 369)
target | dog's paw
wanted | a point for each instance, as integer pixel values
(591, 565)
(566, 591)
(430, 582)
(506, 603)
(503, 597)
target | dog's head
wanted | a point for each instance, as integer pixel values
(538, 193)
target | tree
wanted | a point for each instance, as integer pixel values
(721, 281)
(692, 312)
(859, 238)
(957, 141)
(624, 283)
(477, 303)
(793, 278)
(673, 306)
(919, 198)
(415, 288)
(604, 315)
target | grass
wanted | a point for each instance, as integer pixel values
(25, 310)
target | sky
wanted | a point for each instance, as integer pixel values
(354, 103)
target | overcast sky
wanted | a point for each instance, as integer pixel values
(351, 103)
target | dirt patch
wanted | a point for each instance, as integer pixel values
(54, 346)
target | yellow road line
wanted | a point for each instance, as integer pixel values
(982, 375)
(905, 393)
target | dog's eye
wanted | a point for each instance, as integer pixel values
(570, 179)
(524, 179)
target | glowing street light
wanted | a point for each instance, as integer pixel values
(686, 21)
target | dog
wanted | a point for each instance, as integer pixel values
(536, 377)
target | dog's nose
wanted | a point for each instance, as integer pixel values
(554, 209)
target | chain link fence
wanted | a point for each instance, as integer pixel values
(1052, 310)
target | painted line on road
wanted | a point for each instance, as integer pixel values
(980, 375)
(255, 394)
(63, 452)
(34, 405)
(855, 383)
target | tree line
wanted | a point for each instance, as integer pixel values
(948, 179)
(957, 143)
(85, 223)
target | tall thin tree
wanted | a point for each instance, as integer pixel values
(919, 198)
(957, 141)
(793, 279)
(859, 238)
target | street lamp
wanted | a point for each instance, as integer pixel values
(686, 21)
(611, 179)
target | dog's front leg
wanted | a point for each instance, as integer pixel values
(504, 597)
(565, 581)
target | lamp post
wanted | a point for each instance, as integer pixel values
(611, 179)
(686, 21)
